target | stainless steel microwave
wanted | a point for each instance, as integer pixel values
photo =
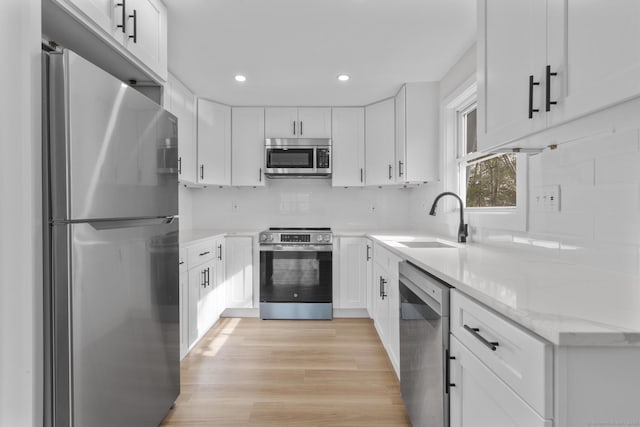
(297, 157)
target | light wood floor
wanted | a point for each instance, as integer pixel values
(251, 372)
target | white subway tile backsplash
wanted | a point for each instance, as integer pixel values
(621, 168)
(562, 224)
(580, 173)
(617, 214)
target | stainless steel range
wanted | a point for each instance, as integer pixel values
(296, 273)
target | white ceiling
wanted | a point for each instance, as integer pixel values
(292, 50)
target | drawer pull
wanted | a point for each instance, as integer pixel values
(181, 262)
(205, 253)
(493, 345)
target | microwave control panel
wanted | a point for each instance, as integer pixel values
(323, 158)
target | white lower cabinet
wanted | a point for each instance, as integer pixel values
(353, 263)
(239, 272)
(479, 398)
(386, 302)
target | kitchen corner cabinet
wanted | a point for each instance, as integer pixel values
(417, 127)
(181, 102)
(354, 262)
(136, 28)
(348, 149)
(239, 271)
(386, 302)
(380, 143)
(543, 63)
(302, 122)
(214, 143)
(247, 145)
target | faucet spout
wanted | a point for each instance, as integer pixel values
(463, 229)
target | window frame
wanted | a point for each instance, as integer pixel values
(459, 102)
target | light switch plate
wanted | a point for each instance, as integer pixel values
(547, 198)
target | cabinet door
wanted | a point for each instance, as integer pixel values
(220, 284)
(281, 122)
(147, 33)
(370, 284)
(207, 312)
(106, 14)
(480, 398)
(239, 272)
(184, 314)
(401, 135)
(594, 46)
(181, 102)
(380, 304)
(214, 143)
(380, 142)
(393, 316)
(347, 147)
(352, 292)
(195, 282)
(511, 48)
(247, 145)
(314, 122)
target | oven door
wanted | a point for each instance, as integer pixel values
(301, 275)
(295, 160)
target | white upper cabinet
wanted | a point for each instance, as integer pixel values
(543, 63)
(214, 143)
(292, 122)
(314, 122)
(247, 141)
(417, 128)
(137, 29)
(594, 46)
(380, 142)
(181, 102)
(348, 147)
(147, 33)
(511, 58)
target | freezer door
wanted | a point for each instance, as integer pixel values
(112, 151)
(116, 352)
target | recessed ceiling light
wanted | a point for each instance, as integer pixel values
(240, 78)
(343, 77)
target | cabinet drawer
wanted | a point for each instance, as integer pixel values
(182, 260)
(385, 258)
(201, 252)
(520, 359)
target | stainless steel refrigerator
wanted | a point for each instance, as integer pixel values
(111, 250)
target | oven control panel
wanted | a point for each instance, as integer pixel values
(295, 238)
(315, 237)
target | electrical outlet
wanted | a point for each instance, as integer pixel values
(372, 208)
(547, 198)
(235, 207)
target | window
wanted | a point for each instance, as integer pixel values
(486, 181)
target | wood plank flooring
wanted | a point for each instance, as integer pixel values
(251, 372)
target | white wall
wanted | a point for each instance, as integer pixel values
(300, 202)
(20, 215)
(185, 202)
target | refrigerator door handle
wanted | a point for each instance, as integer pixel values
(129, 223)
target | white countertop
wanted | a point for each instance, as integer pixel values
(189, 237)
(567, 304)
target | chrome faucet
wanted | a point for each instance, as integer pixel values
(463, 229)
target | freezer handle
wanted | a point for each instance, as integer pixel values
(113, 224)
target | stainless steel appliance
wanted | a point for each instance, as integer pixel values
(297, 157)
(424, 346)
(111, 242)
(296, 273)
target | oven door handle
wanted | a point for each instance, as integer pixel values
(296, 248)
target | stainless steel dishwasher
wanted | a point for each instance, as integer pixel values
(424, 346)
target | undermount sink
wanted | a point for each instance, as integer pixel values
(429, 244)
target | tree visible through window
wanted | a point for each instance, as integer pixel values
(490, 179)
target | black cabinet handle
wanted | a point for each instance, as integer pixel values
(123, 5)
(179, 165)
(368, 252)
(400, 164)
(294, 127)
(493, 345)
(204, 253)
(361, 175)
(549, 102)
(220, 252)
(181, 262)
(301, 128)
(531, 85)
(260, 175)
(390, 173)
(135, 26)
(383, 294)
(201, 171)
(447, 375)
